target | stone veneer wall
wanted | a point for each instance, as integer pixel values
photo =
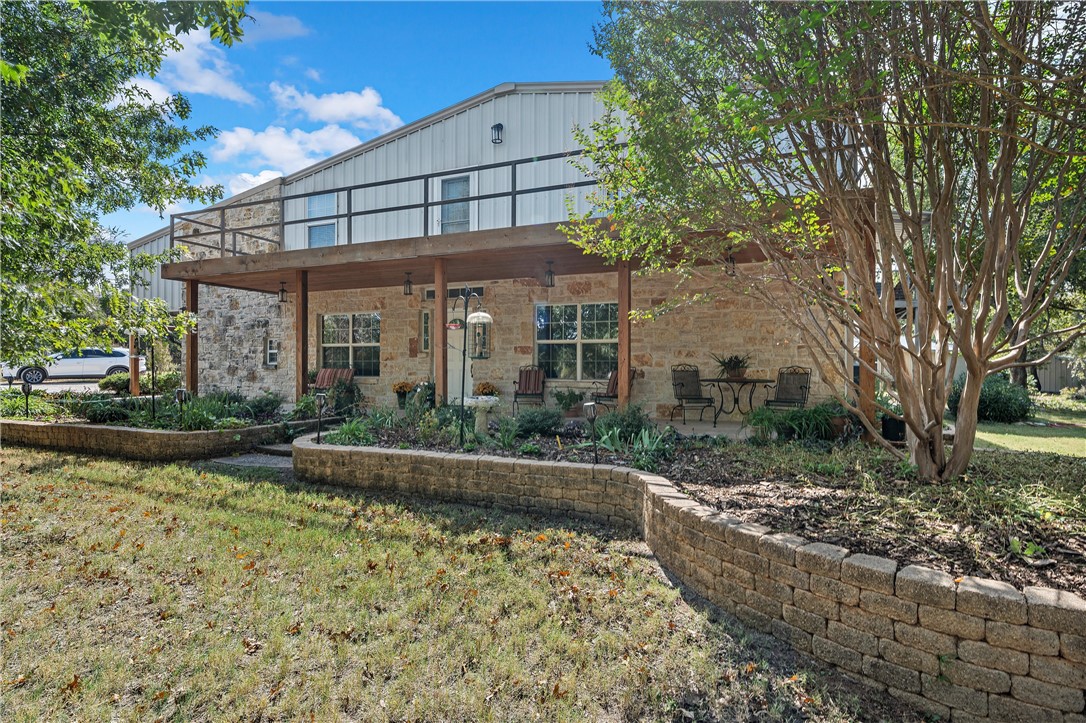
(143, 444)
(963, 649)
(734, 323)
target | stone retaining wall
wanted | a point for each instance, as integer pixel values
(142, 444)
(964, 649)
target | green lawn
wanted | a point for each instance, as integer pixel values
(138, 592)
(1069, 437)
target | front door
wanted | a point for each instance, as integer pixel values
(455, 366)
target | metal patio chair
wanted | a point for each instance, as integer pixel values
(792, 388)
(686, 380)
(608, 396)
(529, 386)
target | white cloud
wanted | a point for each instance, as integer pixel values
(200, 66)
(245, 181)
(282, 150)
(313, 74)
(266, 26)
(361, 109)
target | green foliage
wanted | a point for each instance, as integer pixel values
(384, 417)
(811, 423)
(429, 427)
(13, 405)
(508, 431)
(356, 432)
(419, 401)
(79, 139)
(304, 408)
(448, 415)
(110, 413)
(650, 447)
(116, 383)
(1000, 401)
(529, 449)
(732, 364)
(538, 420)
(628, 423)
(344, 398)
(567, 398)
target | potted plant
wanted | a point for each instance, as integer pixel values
(733, 365)
(893, 429)
(485, 389)
(567, 399)
(402, 388)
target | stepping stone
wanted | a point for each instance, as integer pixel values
(279, 450)
(256, 459)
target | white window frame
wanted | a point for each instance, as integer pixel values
(351, 345)
(309, 241)
(271, 353)
(444, 207)
(321, 220)
(426, 330)
(579, 342)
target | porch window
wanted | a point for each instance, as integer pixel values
(271, 352)
(425, 320)
(352, 341)
(577, 341)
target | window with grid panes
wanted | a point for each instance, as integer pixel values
(352, 341)
(577, 341)
(320, 234)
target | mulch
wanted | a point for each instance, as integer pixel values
(861, 516)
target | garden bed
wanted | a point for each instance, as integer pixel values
(1016, 517)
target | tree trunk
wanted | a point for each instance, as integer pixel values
(965, 428)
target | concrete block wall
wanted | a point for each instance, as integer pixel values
(962, 649)
(154, 445)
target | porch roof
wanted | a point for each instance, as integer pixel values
(502, 253)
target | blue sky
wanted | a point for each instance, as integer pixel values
(311, 79)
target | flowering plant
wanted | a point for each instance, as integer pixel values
(402, 387)
(486, 389)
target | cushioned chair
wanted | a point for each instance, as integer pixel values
(792, 387)
(608, 396)
(529, 386)
(686, 380)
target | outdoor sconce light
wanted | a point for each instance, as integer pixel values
(729, 265)
(548, 276)
(496, 133)
(408, 287)
(321, 398)
(282, 292)
(590, 413)
(27, 389)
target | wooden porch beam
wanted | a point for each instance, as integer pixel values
(624, 303)
(192, 342)
(301, 333)
(441, 317)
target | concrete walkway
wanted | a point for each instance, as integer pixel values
(256, 459)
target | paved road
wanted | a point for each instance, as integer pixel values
(65, 385)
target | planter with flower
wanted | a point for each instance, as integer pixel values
(485, 389)
(402, 388)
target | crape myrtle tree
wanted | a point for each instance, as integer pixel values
(79, 139)
(935, 148)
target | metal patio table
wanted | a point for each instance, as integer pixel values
(735, 387)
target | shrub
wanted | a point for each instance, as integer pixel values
(627, 423)
(264, 407)
(448, 415)
(13, 405)
(354, 432)
(538, 420)
(507, 432)
(1000, 401)
(165, 382)
(306, 408)
(116, 383)
(650, 447)
(384, 417)
(107, 413)
(419, 401)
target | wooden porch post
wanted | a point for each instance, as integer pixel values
(192, 342)
(441, 349)
(867, 350)
(301, 333)
(624, 300)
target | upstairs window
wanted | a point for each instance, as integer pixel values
(320, 234)
(319, 206)
(455, 217)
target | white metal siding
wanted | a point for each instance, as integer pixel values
(156, 286)
(535, 124)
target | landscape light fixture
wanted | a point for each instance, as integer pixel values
(408, 287)
(282, 292)
(27, 389)
(182, 395)
(496, 133)
(322, 398)
(548, 276)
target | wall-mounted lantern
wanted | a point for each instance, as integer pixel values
(408, 287)
(548, 276)
(282, 292)
(496, 133)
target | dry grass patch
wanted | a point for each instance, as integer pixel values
(133, 592)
